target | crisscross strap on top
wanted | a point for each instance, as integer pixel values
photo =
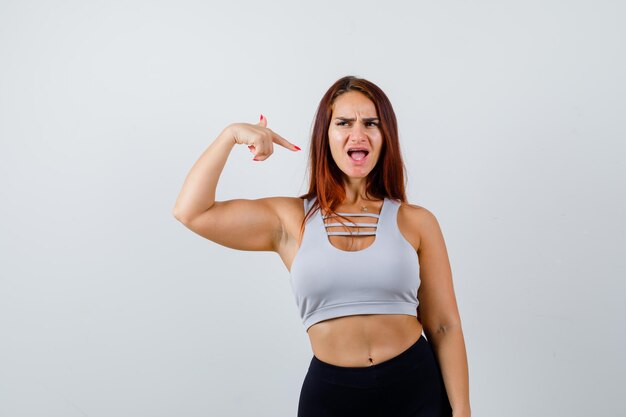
(356, 215)
(352, 224)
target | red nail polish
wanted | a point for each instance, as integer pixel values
(297, 147)
(261, 118)
(254, 159)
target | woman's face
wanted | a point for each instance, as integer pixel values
(354, 124)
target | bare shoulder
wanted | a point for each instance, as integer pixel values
(415, 222)
(290, 210)
(286, 206)
(415, 213)
(284, 202)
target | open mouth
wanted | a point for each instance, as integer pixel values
(358, 154)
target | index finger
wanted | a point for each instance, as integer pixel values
(276, 138)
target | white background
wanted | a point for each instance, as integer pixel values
(511, 119)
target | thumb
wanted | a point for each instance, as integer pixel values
(262, 121)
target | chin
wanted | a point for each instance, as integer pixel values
(361, 175)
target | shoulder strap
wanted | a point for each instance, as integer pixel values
(308, 202)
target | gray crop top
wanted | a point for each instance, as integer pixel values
(328, 282)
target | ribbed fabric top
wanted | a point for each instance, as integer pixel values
(328, 282)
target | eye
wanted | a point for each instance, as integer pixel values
(344, 122)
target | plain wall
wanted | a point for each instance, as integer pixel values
(511, 119)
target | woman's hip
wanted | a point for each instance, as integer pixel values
(402, 385)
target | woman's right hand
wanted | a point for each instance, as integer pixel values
(259, 138)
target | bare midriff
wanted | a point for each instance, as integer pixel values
(363, 340)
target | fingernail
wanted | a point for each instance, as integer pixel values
(254, 159)
(297, 147)
(261, 118)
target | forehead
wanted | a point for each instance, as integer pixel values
(353, 102)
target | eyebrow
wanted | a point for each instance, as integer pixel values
(365, 119)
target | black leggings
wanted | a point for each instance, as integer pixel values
(407, 385)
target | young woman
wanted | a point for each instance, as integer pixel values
(369, 271)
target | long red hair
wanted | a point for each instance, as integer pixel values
(387, 179)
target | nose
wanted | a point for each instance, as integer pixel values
(357, 133)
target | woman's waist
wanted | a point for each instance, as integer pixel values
(363, 340)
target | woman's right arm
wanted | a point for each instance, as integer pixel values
(242, 224)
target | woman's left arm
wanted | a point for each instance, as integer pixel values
(438, 311)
